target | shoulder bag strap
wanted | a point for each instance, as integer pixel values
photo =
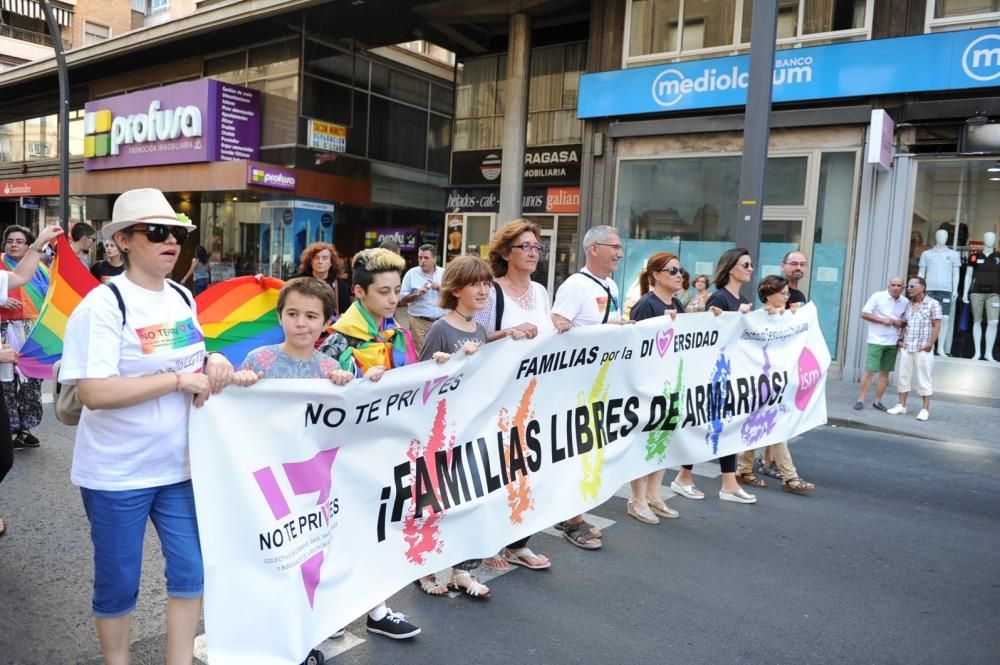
(499, 306)
(607, 308)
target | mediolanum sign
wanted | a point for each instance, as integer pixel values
(942, 61)
(551, 165)
(197, 121)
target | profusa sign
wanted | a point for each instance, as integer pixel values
(197, 121)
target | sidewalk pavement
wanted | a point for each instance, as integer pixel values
(954, 419)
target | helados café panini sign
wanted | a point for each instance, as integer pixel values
(195, 121)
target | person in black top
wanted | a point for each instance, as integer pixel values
(794, 266)
(321, 260)
(735, 268)
(111, 265)
(658, 282)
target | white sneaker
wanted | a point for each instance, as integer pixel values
(897, 410)
(923, 415)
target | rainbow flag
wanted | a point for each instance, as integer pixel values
(240, 314)
(31, 295)
(70, 282)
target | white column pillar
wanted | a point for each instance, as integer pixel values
(515, 121)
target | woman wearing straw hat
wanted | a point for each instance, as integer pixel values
(135, 352)
(15, 279)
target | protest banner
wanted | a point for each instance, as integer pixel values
(316, 502)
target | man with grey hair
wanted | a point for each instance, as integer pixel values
(420, 292)
(586, 298)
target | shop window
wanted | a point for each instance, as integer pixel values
(398, 138)
(957, 199)
(670, 27)
(442, 99)
(337, 103)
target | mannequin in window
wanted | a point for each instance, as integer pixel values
(982, 289)
(939, 267)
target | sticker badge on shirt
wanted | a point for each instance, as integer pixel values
(602, 303)
(168, 336)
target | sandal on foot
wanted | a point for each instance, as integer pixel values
(766, 469)
(464, 581)
(498, 563)
(661, 509)
(431, 586)
(797, 486)
(739, 496)
(523, 556)
(751, 480)
(580, 534)
(687, 491)
(644, 515)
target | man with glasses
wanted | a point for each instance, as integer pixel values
(586, 298)
(884, 314)
(794, 266)
(922, 319)
(421, 291)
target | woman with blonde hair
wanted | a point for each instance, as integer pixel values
(322, 261)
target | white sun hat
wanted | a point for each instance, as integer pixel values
(138, 206)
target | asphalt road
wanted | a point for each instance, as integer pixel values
(894, 559)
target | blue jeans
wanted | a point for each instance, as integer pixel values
(118, 528)
(200, 285)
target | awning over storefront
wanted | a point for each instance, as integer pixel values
(32, 9)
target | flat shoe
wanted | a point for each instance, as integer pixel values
(858, 406)
(646, 516)
(687, 491)
(663, 510)
(880, 406)
(739, 496)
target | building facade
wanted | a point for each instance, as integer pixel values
(663, 140)
(301, 135)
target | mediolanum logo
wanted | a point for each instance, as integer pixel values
(981, 60)
(672, 85)
(104, 134)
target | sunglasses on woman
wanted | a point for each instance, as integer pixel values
(672, 270)
(158, 232)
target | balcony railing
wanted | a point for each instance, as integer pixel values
(30, 36)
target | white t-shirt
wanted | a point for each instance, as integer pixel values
(583, 301)
(514, 314)
(145, 445)
(4, 275)
(937, 267)
(426, 305)
(883, 305)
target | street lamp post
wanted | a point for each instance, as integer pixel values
(50, 19)
(756, 129)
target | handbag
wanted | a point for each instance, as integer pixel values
(66, 400)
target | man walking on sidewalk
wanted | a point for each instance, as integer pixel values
(922, 319)
(884, 314)
(421, 291)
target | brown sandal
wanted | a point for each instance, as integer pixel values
(751, 480)
(797, 486)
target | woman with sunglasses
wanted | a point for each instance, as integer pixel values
(15, 279)
(735, 268)
(135, 351)
(515, 251)
(659, 282)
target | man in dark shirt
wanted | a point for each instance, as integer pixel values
(794, 265)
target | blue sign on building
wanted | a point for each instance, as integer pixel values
(942, 61)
